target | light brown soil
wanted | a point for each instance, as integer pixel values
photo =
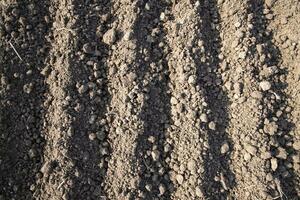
(149, 99)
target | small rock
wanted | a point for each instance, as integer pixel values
(203, 117)
(162, 16)
(266, 155)
(32, 153)
(247, 156)
(104, 151)
(270, 128)
(162, 189)
(92, 119)
(70, 131)
(148, 187)
(256, 94)
(29, 72)
(296, 145)
(179, 178)
(174, 101)
(269, 3)
(110, 36)
(199, 192)
(269, 16)
(274, 164)
(192, 80)
(28, 88)
(250, 149)
(127, 36)
(228, 85)
(92, 136)
(45, 168)
(83, 88)
(212, 125)
(147, 6)
(265, 85)
(242, 55)
(87, 48)
(237, 24)
(191, 165)
(281, 153)
(224, 148)
(101, 135)
(237, 87)
(155, 155)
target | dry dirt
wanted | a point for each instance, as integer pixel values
(149, 99)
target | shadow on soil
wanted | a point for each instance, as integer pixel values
(155, 114)
(283, 137)
(21, 138)
(90, 156)
(210, 82)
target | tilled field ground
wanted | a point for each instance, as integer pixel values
(149, 99)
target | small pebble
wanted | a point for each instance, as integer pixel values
(247, 156)
(237, 87)
(199, 192)
(127, 36)
(266, 155)
(296, 145)
(203, 117)
(265, 85)
(237, 24)
(110, 37)
(192, 80)
(224, 148)
(212, 125)
(274, 164)
(191, 165)
(155, 155)
(281, 153)
(162, 189)
(270, 128)
(148, 187)
(87, 48)
(162, 16)
(250, 149)
(179, 178)
(83, 88)
(92, 136)
(269, 3)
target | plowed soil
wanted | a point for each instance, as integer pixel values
(149, 99)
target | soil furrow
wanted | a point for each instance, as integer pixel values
(126, 103)
(250, 146)
(149, 99)
(88, 146)
(152, 149)
(276, 107)
(189, 130)
(57, 171)
(285, 35)
(24, 27)
(218, 180)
